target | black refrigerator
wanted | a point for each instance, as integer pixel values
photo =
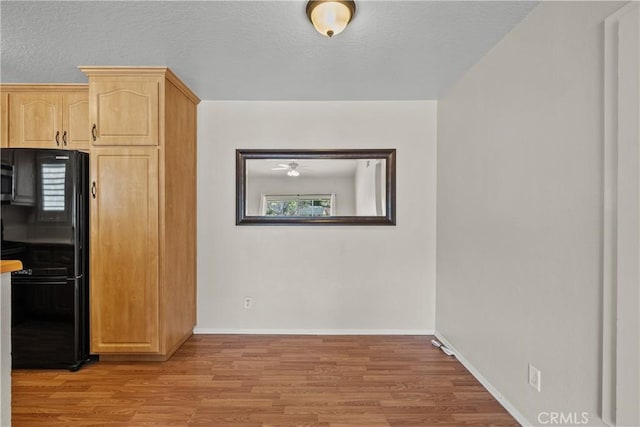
(45, 214)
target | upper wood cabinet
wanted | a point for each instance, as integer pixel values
(75, 118)
(45, 116)
(124, 111)
(35, 120)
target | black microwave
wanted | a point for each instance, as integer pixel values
(6, 173)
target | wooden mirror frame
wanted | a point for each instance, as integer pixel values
(390, 178)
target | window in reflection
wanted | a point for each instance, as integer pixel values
(303, 205)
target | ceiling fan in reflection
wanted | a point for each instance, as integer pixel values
(292, 168)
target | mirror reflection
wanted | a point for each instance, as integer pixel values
(293, 187)
(286, 187)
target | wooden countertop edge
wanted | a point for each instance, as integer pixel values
(7, 265)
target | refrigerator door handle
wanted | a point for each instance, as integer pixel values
(13, 183)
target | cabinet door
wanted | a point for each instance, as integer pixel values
(35, 120)
(124, 112)
(4, 119)
(124, 251)
(24, 178)
(75, 107)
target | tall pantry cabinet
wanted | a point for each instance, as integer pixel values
(143, 212)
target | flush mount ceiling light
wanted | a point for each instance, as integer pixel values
(330, 17)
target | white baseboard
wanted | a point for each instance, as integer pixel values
(313, 331)
(486, 384)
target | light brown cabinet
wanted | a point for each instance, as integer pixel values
(124, 251)
(75, 116)
(124, 110)
(143, 212)
(45, 116)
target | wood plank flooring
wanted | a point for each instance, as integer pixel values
(247, 380)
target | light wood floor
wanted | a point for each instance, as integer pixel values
(241, 380)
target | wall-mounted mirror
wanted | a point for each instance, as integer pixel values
(349, 187)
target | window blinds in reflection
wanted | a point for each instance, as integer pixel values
(53, 177)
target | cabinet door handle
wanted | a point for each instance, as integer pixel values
(93, 131)
(64, 138)
(93, 189)
(58, 138)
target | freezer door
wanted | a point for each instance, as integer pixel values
(48, 323)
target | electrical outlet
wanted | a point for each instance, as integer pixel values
(248, 302)
(535, 377)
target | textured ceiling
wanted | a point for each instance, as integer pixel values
(264, 50)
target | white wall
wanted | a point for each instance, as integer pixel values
(369, 184)
(621, 248)
(520, 161)
(305, 278)
(341, 186)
